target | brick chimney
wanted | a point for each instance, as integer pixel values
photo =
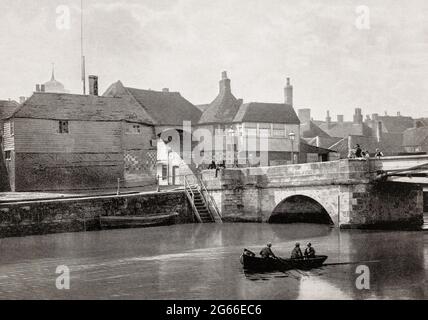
(37, 87)
(340, 118)
(328, 120)
(22, 99)
(165, 90)
(304, 115)
(288, 93)
(358, 116)
(378, 131)
(93, 85)
(225, 83)
(42, 88)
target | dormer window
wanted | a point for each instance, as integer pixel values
(63, 127)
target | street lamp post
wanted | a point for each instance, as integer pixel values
(292, 136)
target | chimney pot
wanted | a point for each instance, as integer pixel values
(93, 85)
(224, 75)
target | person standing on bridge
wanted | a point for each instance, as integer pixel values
(358, 151)
(378, 154)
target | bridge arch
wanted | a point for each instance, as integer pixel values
(302, 208)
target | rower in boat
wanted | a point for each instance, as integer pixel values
(249, 253)
(309, 251)
(296, 253)
(266, 252)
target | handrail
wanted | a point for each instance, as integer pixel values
(210, 200)
(191, 199)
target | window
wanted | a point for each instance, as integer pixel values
(251, 129)
(278, 130)
(164, 172)
(63, 127)
(264, 129)
(8, 155)
(136, 129)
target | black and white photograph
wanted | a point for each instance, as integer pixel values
(232, 151)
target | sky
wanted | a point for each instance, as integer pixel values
(184, 45)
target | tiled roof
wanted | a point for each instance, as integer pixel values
(266, 112)
(345, 129)
(222, 110)
(202, 107)
(310, 129)
(162, 107)
(62, 106)
(396, 124)
(307, 148)
(166, 108)
(415, 137)
(7, 107)
(390, 144)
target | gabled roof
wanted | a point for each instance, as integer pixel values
(308, 148)
(310, 129)
(163, 107)
(266, 112)
(7, 108)
(224, 107)
(415, 137)
(63, 106)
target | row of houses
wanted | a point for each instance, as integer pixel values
(393, 135)
(61, 141)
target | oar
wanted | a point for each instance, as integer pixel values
(344, 263)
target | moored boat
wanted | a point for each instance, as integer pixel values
(137, 221)
(279, 264)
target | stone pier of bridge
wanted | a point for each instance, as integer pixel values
(343, 193)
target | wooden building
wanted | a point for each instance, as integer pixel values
(65, 142)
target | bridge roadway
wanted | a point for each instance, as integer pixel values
(348, 193)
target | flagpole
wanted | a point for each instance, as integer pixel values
(81, 48)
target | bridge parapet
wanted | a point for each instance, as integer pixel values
(346, 171)
(397, 162)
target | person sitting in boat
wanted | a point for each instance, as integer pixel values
(296, 253)
(249, 253)
(267, 252)
(309, 251)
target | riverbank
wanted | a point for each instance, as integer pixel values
(86, 213)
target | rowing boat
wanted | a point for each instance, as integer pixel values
(279, 264)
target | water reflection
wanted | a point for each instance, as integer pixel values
(202, 262)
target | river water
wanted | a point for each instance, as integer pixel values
(201, 261)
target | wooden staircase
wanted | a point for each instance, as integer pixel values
(203, 205)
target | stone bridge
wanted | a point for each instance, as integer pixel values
(346, 193)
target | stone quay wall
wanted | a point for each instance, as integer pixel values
(83, 214)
